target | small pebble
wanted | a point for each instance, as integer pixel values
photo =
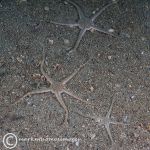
(117, 85)
(95, 11)
(19, 59)
(68, 148)
(130, 85)
(92, 88)
(83, 126)
(109, 57)
(46, 8)
(65, 2)
(136, 135)
(50, 41)
(22, 1)
(114, 1)
(125, 118)
(66, 42)
(29, 103)
(111, 30)
(143, 38)
(92, 136)
(42, 100)
(123, 135)
(133, 96)
(77, 143)
(23, 86)
(36, 75)
(98, 120)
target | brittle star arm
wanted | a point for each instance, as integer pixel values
(67, 79)
(101, 123)
(100, 11)
(40, 91)
(75, 96)
(70, 24)
(107, 126)
(63, 105)
(119, 123)
(102, 31)
(81, 34)
(80, 12)
(86, 116)
(50, 80)
(110, 109)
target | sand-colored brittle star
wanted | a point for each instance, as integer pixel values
(84, 23)
(57, 88)
(105, 121)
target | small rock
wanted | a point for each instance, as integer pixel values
(51, 41)
(123, 135)
(117, 85)
(136, 135)
(77, 143)
(143, 38)
(83, 126)
(20, 1)
(109, 57)
(65, 2)
(130, 85)
(94, 12)
(125, 119)
(36, 75)
(114, 1)
(92, 88)
(111, 30)
(92, 136)
(133, 96)
(24, 0)
(19, 59)
(46, 8)
(66, 42)
(68, 148)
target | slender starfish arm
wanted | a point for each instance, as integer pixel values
(100, 11)
(50, 80)
(109, 132)
(110, 109)
(76, 97)
(118, 123)
(63, 105)
(67, 79)
(80, 12)
(86, 116)
(102, 31)
(40, 91)
(70, 24)
(81, 34)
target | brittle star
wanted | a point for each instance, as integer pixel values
(105, 121)
(57, 88)
(84, 23)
